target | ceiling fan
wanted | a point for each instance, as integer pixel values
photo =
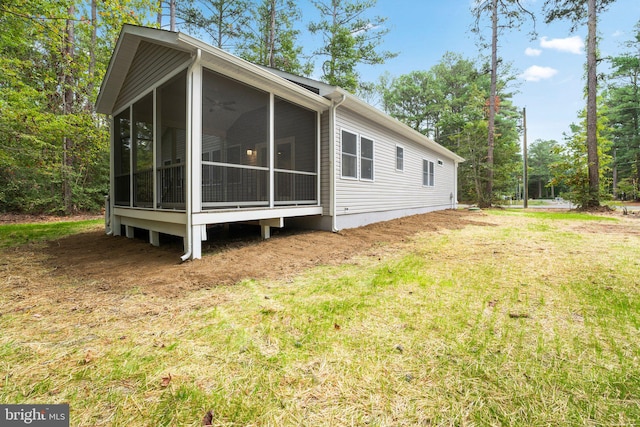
(217, 105)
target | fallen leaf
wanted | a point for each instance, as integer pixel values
(208, 419)
(88, 357)
(336, 326)
(165, 381)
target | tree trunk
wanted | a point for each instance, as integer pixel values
(488, 196)
(159, 16)
(592, 114)
(172, 15)
(92, 56)
(540, 188)
(272, 35)
(68, 101)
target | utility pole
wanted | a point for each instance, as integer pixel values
(525, 180)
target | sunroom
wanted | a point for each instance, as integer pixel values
(210, 139)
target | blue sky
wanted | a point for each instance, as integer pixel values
(550, 68)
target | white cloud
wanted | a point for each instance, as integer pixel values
(617, 33)
(535, 73)
(532, 52)
(573, 44)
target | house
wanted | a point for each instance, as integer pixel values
(202, 137)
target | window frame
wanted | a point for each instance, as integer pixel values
(342, 154)
(428, 174)
(401, 148)
(358, 156)
(372, 158)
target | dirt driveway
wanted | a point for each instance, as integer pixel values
(118, 262)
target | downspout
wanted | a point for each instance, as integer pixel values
(188, 159)
(107, 216)
(332, 159)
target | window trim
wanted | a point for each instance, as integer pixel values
(430, 173)
(358, 156)
(373, 158)
(401, 147)
(342, 153)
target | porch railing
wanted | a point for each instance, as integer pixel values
(171, 187)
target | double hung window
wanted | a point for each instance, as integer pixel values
(428, 173)
(357, 156)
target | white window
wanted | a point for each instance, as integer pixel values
(399, 158)
(440, 163)
(428, 173)
(357, 156)
(366, 158)
(349, 155)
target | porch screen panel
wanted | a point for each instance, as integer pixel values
(122, 153)
(171, 150)
(296, 163)
(143, 152)
(235, 149)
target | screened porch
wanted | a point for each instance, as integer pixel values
(242, 164)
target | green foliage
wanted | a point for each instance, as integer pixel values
(448, 103)
(224, 21)
(572, 168)
(271, 39)
(574, 11)
(542, 154)
(53, 147)
(623, 98)
(350, 40)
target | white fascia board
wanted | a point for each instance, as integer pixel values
(372, 113)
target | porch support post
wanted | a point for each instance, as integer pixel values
(266, 224)
(115, 224)
(198, 237)
(272, 151)
(129, 231)
(154, 238)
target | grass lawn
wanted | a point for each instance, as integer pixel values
(19, 234)
(527, 319)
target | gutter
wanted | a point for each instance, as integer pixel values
(332, 154)
(189, 159)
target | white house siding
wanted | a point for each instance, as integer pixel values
(325, 166)
(151, 63)
(392, 193)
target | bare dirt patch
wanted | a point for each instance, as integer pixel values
(114, 262)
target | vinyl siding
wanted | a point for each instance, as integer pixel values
(390, 189)
(325, 167)
(151, 63)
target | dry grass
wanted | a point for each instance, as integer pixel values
(532, 321)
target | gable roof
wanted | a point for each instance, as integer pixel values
(131, 37)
